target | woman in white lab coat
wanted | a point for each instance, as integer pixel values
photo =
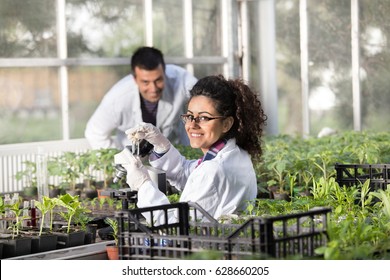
(225, 120)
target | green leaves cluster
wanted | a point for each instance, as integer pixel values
(113, 223)
(73, 167)
(313, 158)
(17, 213)
(46, 206)
(359, 225)
(73, 208)
(359, 230)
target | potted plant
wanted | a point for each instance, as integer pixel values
(44, 240)
(307, 178)
(17, 245)
(16, 211)
(105, 163)
(276, 184)
(29, 178)
(112, 249)
(71, 206)
(65, 167)
(291, 182)
(46, 207)
(83, 220)
(86, 162)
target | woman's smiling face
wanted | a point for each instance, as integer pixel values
(204, 134)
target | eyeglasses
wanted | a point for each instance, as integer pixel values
(200, 120)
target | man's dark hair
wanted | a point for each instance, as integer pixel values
(147, 58)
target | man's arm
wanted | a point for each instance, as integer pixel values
(101, 125)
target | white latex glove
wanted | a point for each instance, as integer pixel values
(151, 134)
(137, 174)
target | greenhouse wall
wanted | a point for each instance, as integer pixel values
(58, 58)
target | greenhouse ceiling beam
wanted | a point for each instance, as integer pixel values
(225, 12)
(57, 62)
(62, 53)
(243, 38)
(148, 22)
(229, 37)
(188, 33)
(304, 67)
(355, 45)
(267, 53)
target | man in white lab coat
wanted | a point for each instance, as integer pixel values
(155, 93)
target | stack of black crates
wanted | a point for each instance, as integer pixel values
(356, 174)
(177, 231)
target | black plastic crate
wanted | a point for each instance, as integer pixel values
(195, 231)
(284, 236)
(356, 174)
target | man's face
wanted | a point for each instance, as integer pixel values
(150, 83)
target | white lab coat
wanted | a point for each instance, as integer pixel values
(221, 186)
(120, 110)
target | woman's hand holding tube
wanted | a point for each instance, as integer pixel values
(151, 134)
(137, 174)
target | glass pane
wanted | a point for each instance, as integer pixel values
(168, 27)
(207, 27)
(201, 70)
(87, 86)
(375, 61)
(25, 34)
(330, 92)
(30, 108)
(104, 28)
(288, 66)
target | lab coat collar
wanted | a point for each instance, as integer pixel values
(231, 144)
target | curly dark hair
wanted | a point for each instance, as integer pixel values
(235, 98)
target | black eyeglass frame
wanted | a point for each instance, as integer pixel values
(206, 119)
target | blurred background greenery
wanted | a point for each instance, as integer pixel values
(32, 108)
